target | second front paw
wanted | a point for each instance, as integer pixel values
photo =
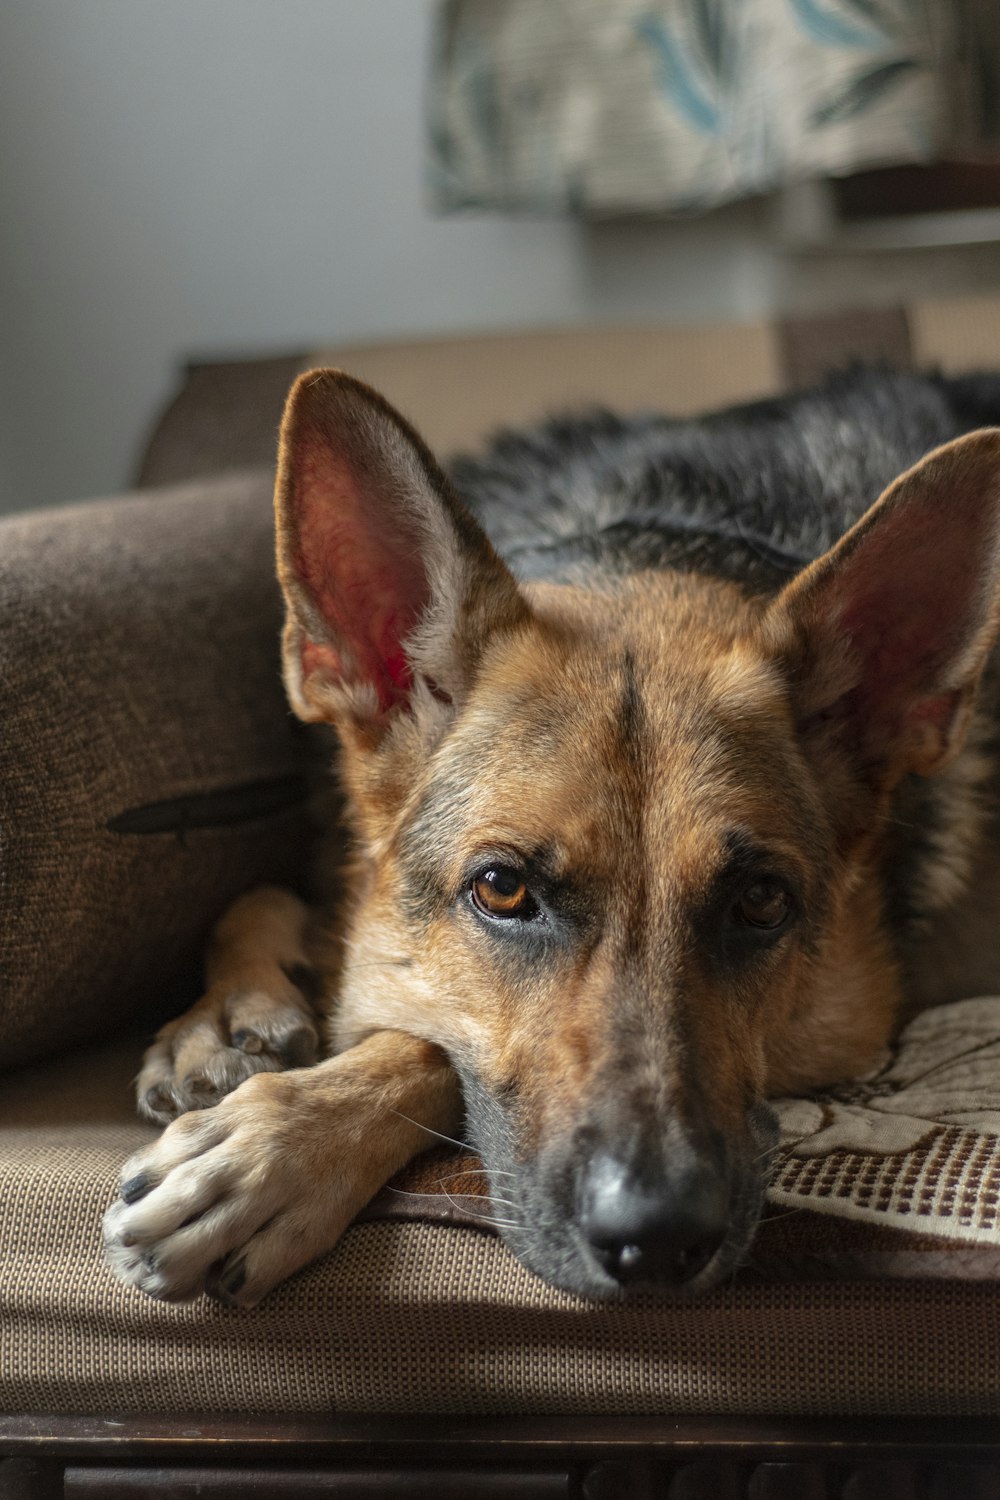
(227, 1037)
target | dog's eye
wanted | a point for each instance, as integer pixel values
(764, 903)
(500, 892)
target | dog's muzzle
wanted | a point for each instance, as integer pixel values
(599, 1218)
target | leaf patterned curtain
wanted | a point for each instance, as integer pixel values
(625, 106)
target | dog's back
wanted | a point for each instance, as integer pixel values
(751, 494)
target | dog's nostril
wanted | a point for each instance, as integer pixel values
(667, 1235)
(623, 1262)
(656, 1260)
(628, 1260)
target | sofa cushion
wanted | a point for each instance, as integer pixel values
(459, 390)
(430, 1315)
(149, 767)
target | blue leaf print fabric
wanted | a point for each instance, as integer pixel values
(623, 106)
(675, 74)
(832, 28)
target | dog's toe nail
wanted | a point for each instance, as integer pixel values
(248, 1041)
(229, 1283)
(136, 1187)
(299, 1048)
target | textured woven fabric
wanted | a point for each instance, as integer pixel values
(915, 1146)
(149, 768)
(425, 1317)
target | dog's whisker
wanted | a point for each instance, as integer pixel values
(481, 1172)
(442, 1186)
(462, 1145)
(781, 1211)
(480, 1218)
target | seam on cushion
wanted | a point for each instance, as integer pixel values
(220, 808)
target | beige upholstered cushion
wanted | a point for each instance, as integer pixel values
(149, 767)
(459, 390)
(410, 1316)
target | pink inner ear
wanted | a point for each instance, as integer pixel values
(906, 599)
(362, 567)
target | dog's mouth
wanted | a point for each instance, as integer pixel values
(598, 1229)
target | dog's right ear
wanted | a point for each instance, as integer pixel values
(391, 587)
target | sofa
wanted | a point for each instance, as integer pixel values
(150, 771)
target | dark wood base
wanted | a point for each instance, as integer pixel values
(579, 1458)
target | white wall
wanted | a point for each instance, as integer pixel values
(204, 177)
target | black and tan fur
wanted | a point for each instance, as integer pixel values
(669, 809)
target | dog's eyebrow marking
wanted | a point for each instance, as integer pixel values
(743, 855)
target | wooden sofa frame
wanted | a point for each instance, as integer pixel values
(579, 1458)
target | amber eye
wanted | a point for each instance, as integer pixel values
(765, 903)
(500, 892)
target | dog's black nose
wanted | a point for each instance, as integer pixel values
(664, 1233)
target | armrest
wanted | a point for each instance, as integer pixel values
(149, 766)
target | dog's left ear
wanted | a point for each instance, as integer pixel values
(392, 589)
(885, 637)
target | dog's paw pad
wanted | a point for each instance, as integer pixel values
(298, 1049)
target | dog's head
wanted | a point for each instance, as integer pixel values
(617, 846)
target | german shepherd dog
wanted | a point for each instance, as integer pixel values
(667, 756)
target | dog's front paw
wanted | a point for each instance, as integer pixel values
(233, 1199)
(231, 1034)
